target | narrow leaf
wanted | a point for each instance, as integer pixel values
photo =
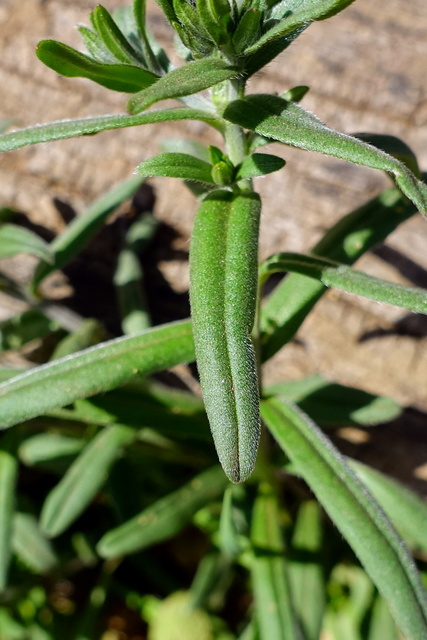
(330, 404)
(394, 147)
(305, 12)
(95, 46)
(15, 240)
(92, 371)
(353, 235)
(66, 502)
(273, 608)
(406, 510)
(289, 123)
(89, 333)
(259, 164)
(63, 129)
(78, 233)
(24, 327)
(8, 478)
(73, 64)
(31, 546)
(355, 513)
(191, 78)
(165, 518)
(248, 30)
(48, 446)
(176, 165)
(112, 37)
(340, 276)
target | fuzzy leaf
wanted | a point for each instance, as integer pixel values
(73, 64)
(164, 518)
(176, 165)
(354, 512)
(8, 479)
(259, 164)
(93, 370)
(62, 129)
(191, 78)
(290, 124)
(15, 240)
(84, 478)
(113, 38)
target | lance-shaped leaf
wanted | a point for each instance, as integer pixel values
(177, 165)
(259, 164)
(289, 123)
(48, 446)
(184, 81)
(331, 405)
(78, 233)
(354, 511)
(353, 235)
(83, 479)
(63, 129)
(96, 46)
(273, 607)
(394, 147)
(297, 15)
(343, 277)
(164, 518)
(15, 240)
(223, 290)
(112, 37)
(31, 545)
(8, 478)
(93, 370)
(406, 510)
(73, 64)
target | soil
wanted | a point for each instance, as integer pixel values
(366, 69)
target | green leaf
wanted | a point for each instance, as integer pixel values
(223, 262)
(248, 30)
(191, 78)
(273, 607)
(93, 371)
(15, 240)
(95, 45)
(340, 276)
(176, 165)
(8, 479)
(113, 38)
(354, 512)
(406, 510)
(78, 233)
(23, 328)
(139, 14)
(290, 124)
(166, 517)
(67, 501)
(63, 129)
(259, 164)
(228, 533)
(381, 625)
(306, 574)
(89, 333)
(353, 235)
(299, 14)
(394, 147)
(330, 404)
(31, 546)
(48, 446)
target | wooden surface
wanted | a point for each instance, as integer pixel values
(367, 69)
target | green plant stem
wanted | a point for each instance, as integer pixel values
(234, 135)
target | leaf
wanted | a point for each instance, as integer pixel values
(223, 264)
(113, 38)
(259, 164)
(8, 479)
(381, 623)
(273, 608)
(353, 235)
(67, 501)
(89, 333)
(330, 404)
(78, 233)
(176, 165)
(165, 518)
(93, 371)
(340, 276)
(31, 546)
(404, 507)
(94, 44)
(23, 328)
(191, 78)
(295, 18)
(44, 447)
(248, 30)
(305, 570)
(15, 240)
(394, 147)
(73, 64)
(62, 129)
(228, 535)
(290, 124)
(354, 512)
